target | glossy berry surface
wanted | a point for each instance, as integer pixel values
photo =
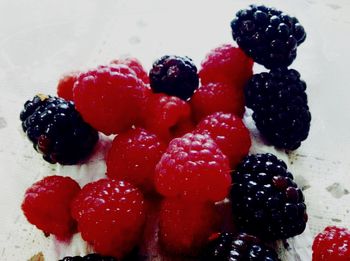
(133, 157)
(175, 76)
(136, 66)
(280, 106)
(166, 116)
(214, 97)
(66, 84)
(184, 228)
(110, 216)
(89, 257)
(47, 204)
(266, 202)
(57, 130)
(229, 133)
(240, 247)
(194, 168)
(109, 97)
(269, 36)
(333, 244)
(226, 64)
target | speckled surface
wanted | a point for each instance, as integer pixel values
(40, 40)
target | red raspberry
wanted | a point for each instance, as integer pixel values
(214, 97)
(47, 203)
(193, 167)
(133, 157)
(226, 64)
(110, 216)
(229, 132)
(185, 228)
(109, 97)
(164, 114)
(65, 85)
(333, 244)
(136, 66)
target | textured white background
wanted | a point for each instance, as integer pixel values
(40, 40)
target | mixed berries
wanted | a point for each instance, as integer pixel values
(177, 135)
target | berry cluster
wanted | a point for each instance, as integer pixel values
(277, 98)
(179, 134)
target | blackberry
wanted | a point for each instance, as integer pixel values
(90, 257)
(239, 247)
(57, 130)
(266, 202)
(280, 106)
(174, 75)
(268, 35)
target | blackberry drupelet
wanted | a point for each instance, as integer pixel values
(280, 106)
(268, 35)
(57, 130)
(266, 202)
(90, 257)
(241, 247)
(174, 75)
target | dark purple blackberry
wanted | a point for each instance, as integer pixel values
(90, 257)
(281, 111)
(267, 35)
(174, 75)
(266, 202)
(57, 130)
(241, 247)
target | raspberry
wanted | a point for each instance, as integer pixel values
(265, 200)
(174, 75)
(214, 97)
(136, 66)
(90, 257)
(240, 247)
(164, 115)
(193, 167)
(47, 203)
(65, 85)
(279, 102)
(267, 35)
(110, 216)
(133, 157)
(333, 244)
(229, 133)
(109, 97)
(226, 64)
(184, 228)
(57, 130)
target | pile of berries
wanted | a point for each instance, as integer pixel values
(177, 132)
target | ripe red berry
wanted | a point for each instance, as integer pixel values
(230, 134)
(194, 168)
(65, 85)
(47, 204)
(184, 229)
(164, 115)
(214, 97)
(110, 216)
(133, 157)
(136, 66)
(333, 244)
(109, 98)
(226, 64)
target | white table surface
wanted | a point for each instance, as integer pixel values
(40, 40)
